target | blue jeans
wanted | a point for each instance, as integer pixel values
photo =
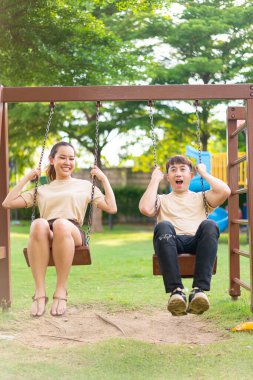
(203, 244)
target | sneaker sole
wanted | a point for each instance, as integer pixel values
(177, 307)
(198, 305)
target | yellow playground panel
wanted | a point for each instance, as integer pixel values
(219, 168)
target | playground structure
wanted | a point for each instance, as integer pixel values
(216, 164)
(219, 168)
(145, 93)
(219, 215)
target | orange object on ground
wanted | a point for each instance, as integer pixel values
(243, 326)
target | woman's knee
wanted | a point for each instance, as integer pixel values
(39, 229)
(61, 228)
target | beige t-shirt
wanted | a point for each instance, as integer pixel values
(185, 211)
(63, 199)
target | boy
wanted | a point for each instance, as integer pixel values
(183, 227)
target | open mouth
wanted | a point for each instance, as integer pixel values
(179, 182)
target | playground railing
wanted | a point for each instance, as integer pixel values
(219, 168)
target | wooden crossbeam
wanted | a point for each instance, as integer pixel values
(113, 93)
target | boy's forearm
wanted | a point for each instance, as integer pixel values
(148, 200)
(216, 184)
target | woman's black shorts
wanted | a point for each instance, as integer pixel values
(51, 222)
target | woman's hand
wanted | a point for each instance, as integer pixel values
(33, 174)
(95, 171)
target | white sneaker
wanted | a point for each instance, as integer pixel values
(198, 302)
(177, 303)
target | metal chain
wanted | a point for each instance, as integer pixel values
(90, 217)
(153, 136)
(196, 104)
(52, 106)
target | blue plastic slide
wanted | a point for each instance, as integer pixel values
(195, 184)
(220, 216)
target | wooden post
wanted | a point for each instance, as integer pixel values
(5, 282)
(250, 190)
(233, 203)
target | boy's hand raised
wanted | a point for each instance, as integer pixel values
(157, 174)
(201, 169)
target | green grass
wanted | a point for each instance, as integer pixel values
(121, 278)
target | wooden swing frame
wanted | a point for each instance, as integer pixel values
(144, 93)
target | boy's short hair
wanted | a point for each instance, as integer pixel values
(179, 160)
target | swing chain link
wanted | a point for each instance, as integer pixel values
(51, 113)
(196, 105)
(153, 136)
(90, 217)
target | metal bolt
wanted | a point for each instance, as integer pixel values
(233, 116)
(233, 109)
(251, 94)
(251, 87)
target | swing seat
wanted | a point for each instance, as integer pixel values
(81, 256)
(186, 265)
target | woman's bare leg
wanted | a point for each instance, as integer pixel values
(38, 253)
(65, 237)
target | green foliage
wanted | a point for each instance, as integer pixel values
(128, 199)
(209, 42)
(56, 43)
(21, 214)
(68, 43)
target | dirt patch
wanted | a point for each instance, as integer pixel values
(89, 325)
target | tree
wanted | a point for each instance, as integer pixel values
(76, 43)
(58, 43)
(210, 43)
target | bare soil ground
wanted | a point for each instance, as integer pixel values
(83, 325)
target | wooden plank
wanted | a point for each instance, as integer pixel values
(239, 129)
(241, 253)
(236, 113)
(238, 160)
(240, 221)
(1, 119)
(186, 265)
(81, 257)
(241, 283)
(2, 253)
(250, 189)
(241, 191)
(5, 274)
(233, 205)
(112, 93)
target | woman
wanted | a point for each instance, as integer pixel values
(62, 204)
